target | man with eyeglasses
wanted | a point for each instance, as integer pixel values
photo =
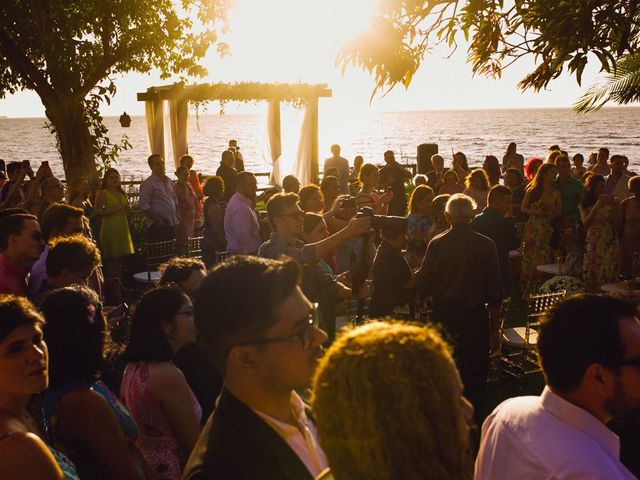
(21, 243)
(263, 336)
(589, 348)
(286, 219)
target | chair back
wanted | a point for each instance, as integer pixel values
(156, 253)
(195, 247)
(538, 304)
(221, 256)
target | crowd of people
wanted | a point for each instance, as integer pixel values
(220, 370)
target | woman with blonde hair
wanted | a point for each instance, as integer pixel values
(419, 220)
(385, 367)
(477, 187)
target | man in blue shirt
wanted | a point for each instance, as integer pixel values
(492, 223)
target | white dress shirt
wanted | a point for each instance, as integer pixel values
(547, 437)
(158, 195)
(303, 438)
(241, 226)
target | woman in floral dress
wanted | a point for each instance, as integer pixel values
(542, 202)
(601, 261)
(419, 222)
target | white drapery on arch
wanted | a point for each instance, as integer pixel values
(154, 114)
(303, 168)
(178, 120)
(272, 143)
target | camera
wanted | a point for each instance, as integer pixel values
(383, 221)
(349, 203)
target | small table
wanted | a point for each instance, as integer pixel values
(551, 269)
(620, 287)
(144, 277)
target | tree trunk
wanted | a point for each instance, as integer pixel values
(73, 138)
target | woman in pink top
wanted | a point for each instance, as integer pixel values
(153, 389)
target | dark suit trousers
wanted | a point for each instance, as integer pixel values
(468, 331)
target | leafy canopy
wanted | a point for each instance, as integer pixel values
(67, 47)
(558, 34)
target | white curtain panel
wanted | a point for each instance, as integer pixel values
(154, 113)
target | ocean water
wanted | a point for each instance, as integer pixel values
(475, 132)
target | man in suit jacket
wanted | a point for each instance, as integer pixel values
(262, 332)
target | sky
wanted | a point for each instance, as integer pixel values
(298, 40)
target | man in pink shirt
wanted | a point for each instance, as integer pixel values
(241, 224)
(21, 243)
(589, 347)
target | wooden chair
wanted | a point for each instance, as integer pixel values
(495, 362)
(518, 356)
(155, 254)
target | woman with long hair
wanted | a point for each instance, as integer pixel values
(79, 195)
(419, 220)
(330, 188)
(542, 202)
(213, 239)
(368, 196)
(83, 418)
(112, 210)
(531, 167)
(384, 367)
(491, 167)
(477, 187)
(23, 373)
(153, 389)
(511, 158)
(187, 201)
(601, 260)
(311, 199)
(450, 184)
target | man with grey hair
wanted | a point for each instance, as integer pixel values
(461, 274)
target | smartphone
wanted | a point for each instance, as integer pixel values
(118, 311)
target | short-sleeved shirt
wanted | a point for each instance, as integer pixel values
(158, 195)
(241, 226)
(277, 246)
(572, 191)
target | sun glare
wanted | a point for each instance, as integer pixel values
(292, 40)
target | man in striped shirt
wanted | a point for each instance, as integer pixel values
(461, 274)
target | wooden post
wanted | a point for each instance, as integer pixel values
(313, 105)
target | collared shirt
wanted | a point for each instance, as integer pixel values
(38, 272)
(303, 438)
(504, 234)
(342, 164)
(461, 267)
(547, 437)
(158, 195)
(277, 246)
(572, 191)
(13, 276)
(241, 226)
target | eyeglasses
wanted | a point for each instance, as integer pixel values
(304, 336)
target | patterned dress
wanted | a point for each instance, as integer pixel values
(157, 441)
(417, 238)
(536, 248)
(601, 262)
(78, 454)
